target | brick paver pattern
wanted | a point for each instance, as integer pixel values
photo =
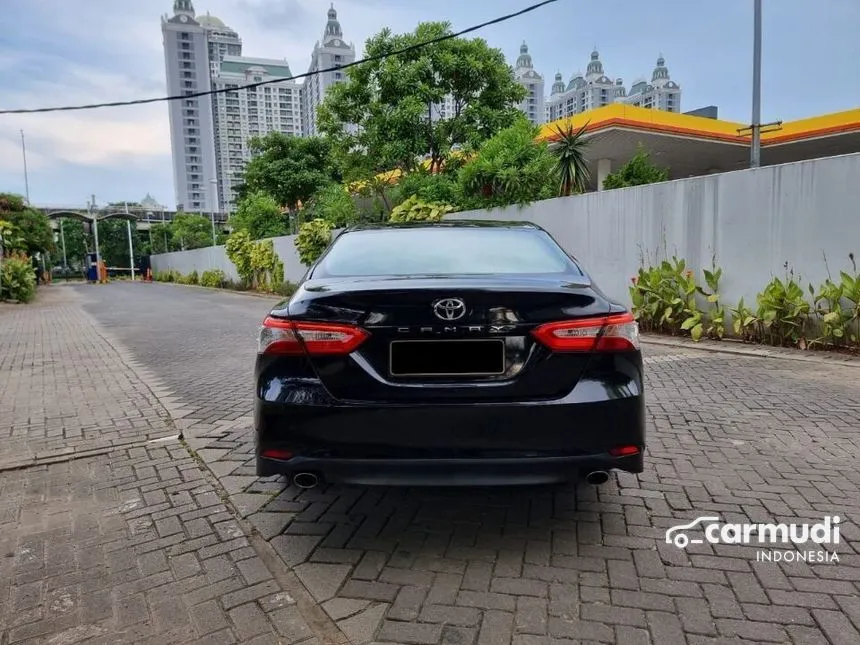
(127, 540)
(747, 439)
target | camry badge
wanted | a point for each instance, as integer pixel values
(449, 309)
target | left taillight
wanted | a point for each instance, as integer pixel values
(290, 337)
(620, 332)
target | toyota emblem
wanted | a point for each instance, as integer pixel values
(449, 309)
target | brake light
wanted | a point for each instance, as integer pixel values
(289, 337)
(620, 333)
(624, 451)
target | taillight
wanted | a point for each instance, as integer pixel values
(289, 337)
(620, 333)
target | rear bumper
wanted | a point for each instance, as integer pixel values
(460, 445)
(451, 472)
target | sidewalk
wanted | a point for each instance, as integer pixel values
(110, 532)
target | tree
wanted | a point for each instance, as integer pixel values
(636, 172)
(510, 168)
(313, 239)
(191, 231)
(386, 115)
(441, 187)
(162, 238)
(113, 241)
(31, 225)
(260, 216)
(288, 169)
(571, 168)
(76, 241)
(334, 205)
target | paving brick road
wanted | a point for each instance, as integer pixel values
(110, 531)
(747, 439)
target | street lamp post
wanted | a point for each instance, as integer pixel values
(130, 246)
(95, 222)
(26, 174)
(63, 239)
(214, 200)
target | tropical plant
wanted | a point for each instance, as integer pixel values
(664, 299)
(333, 204)
(238, 248)
(510, 168)
(571, 168)
(17, 280)
(31, 226)
(837, 305)
(313, 239)
(783, 311)
(415, 210)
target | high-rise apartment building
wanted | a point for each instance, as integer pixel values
(594, 89)
(533, 105)
(193, 49)
(329, 53)
(245, 112)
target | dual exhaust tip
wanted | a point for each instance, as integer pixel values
(306, 481)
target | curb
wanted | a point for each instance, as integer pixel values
(803, 356)
(253, 294)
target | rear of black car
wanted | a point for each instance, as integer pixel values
(448, 354)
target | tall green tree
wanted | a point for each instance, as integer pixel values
(571, 167)
(191, 231)
(260, 216)
(113, 242)
(162, 238)
(332, 204)
(31, 225)
(385, 115)
(77, 241)
(289, 169)
(638, 171)
(510, 168)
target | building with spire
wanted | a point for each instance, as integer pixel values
(193, 48)
(533, 105)
(330, 52)
(595, 89)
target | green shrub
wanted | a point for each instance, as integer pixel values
(285, 288)
(239, 248)
(312, 240)
(416, 210)
(837, 306)
(17, 280)
(213, 278)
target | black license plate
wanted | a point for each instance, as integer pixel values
(447, 357)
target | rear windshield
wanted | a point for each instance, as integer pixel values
(444, 251)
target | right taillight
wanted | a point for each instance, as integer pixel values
(290, 337)
(620, 332)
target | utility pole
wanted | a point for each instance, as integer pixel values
(755, 148)
(95, 221)
(756, 128)
(63, 238)
(130, 247)
(214, 198)
(26, 174)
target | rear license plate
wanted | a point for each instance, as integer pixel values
(447, 357)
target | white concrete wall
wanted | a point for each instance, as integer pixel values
(754, 221)
(215, 257)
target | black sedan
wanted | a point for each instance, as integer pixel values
(455, 353)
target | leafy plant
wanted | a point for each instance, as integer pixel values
(783, 311)
(312, 240)
(238, 248)
(416, 210)
(17, 281)
(333, 204)
(212, 278)
(716, 316)
(259, 215)
(744, 323)
(664, 299)
(636, 172)
(837, 305)
(571, 167)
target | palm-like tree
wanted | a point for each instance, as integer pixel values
(569, 150)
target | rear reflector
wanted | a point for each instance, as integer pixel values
(288, 337)
(620, 332)
(624, 451)
(277, 453)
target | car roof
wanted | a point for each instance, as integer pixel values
(454, 223)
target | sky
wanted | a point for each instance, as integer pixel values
(61, 52)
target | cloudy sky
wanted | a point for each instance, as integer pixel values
(55, 52)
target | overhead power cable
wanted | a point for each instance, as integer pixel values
(397, 52)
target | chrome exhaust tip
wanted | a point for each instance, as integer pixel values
(305, 481)
(597, 477)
